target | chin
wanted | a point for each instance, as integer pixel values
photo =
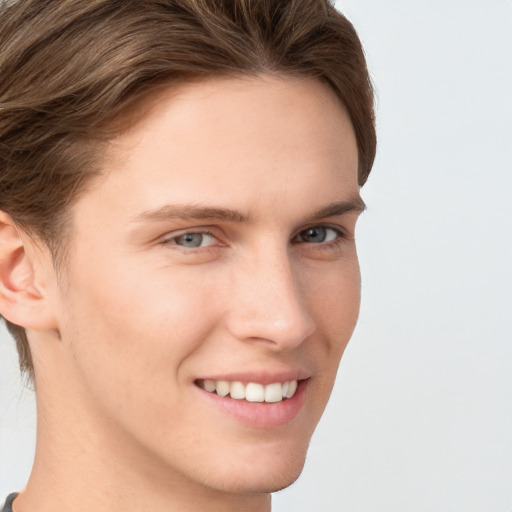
(261, 484)
(262, 474)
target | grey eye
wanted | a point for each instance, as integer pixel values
(315, 235)
(194, 240)
(318, 235)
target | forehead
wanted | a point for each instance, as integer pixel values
(246, 107)
(233, 141)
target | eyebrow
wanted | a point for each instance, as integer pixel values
(354, 204)
(191, 212)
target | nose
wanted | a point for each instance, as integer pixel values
(268, 303)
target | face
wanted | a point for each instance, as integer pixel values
(213, 270)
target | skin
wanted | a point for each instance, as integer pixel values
(120, 336)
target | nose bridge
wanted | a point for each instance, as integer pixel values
(268, 303)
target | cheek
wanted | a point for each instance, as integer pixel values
(333, 298)
(140, 326)
(333, 301)
(130, 343)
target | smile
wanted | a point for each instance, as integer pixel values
(252, 391)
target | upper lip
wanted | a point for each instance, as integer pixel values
(260, 376)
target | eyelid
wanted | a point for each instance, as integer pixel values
(170, 237)
(342, 232)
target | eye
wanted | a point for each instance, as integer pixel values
(319, 235)
(192, 240)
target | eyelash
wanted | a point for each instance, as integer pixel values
(340, 237)
(172, 240)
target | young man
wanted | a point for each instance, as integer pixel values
(179, 191)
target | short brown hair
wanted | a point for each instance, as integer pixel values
(69, 68)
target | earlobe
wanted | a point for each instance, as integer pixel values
(22, 301)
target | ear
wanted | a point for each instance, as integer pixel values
(23, 299)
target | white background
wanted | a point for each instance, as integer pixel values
(421, 416)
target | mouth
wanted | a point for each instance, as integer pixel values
(264, 404)
(251, 391)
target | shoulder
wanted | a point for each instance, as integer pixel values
(8, 502)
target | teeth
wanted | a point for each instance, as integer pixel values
(291, 389)
(253, 391)
(237, 390)
(274, 392)
(210, 386)
(222, 387)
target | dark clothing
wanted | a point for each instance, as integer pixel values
(8, 502)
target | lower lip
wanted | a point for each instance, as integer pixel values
(260, 414)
